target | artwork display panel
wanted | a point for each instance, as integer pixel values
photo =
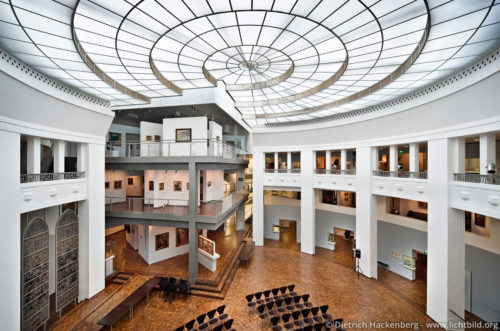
(161, 241)
(106, 185)
(182, 135)
(181, 237)
(206, 245)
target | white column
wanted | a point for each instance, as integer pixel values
(366, 212)
(307, 206)
(92, 225)
(10, 245)
(414, 151)
(289, 160)
(314, 160)
(240, 179)
(487, 151)
(59, 154)
(459, 155)
(393, 158)
(343, 159)
(81, 152)
(328, 161)
(156, 192)
(258, 198)
(34, 154)
(276, 165)
(445, 238)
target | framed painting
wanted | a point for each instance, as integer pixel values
(468, 221)
(422, 205)
(157, 138)
(182, 135)
(151, 185)
(106, 185)
(211, 248)
(130, 181)
(479, 220)
(177, 185)
(187, 186)
(161, 241)
(331, 238)
(118, 185)
(162, 186)
(149, 138)
(209, 183)
(115, 138)
(181, 237)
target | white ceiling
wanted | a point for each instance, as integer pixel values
(281, 60)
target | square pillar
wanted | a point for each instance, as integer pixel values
(34, 155)
(81, 152)
(343, 159)
(414, 151)
(307, 205)
(459, 155)
(258, 198)
(91, 226)
(366, 212)
(240, 180)
(240, 218)
(393, 158)
(445, 238)
(276, 164)
(10, 245)
(487, 151)
(192, 211)
(59, 154)
(289, 160)
(328, 162)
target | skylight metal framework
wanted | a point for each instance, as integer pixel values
(280, 60)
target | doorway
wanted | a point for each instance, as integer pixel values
(421, 265)
(288, 233)
(202, 188)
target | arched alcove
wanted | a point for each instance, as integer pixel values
(66, 259)
(35, 275)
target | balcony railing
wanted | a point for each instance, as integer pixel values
(477, 178)
(45, 177)
(172, 206)
(401, 174)
(199, 147)
(335, 172)
(282, 171)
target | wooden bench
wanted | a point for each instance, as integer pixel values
(247, 252)
(127, 305)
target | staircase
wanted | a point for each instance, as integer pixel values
(218, 288)
(121, 278)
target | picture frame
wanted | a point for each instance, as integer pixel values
(130, 181)
(115, 138)
(422, 205)
(468, 221)
(106, 185)
(209, 183)
(181, 237)
(479, 220)
(157, 138)
(161, 186)
(118, 184)
(161, 241)
(211, 248)
(331, 238)
(177, 186)
(409, 262)
(187, 186)
(149, 138)
(151, 185)
(182, 135)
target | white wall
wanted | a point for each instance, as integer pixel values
(118, 195)
(143, 241)
(136, 189)
(168, 178)
(166, 253)
(150, 129)
(216, 189)
(113, 230)
(199, 134)
(133, 236)
(326, 221)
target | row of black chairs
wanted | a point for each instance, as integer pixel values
(278, 301)
(171, 287)
(307, 316)
(209, 321)
(275, 293)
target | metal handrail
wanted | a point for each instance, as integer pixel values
(195, 147)
(401, 174)
(45, 177)
(135, 205)
(477, 178)
(335, 171)
(282, 171)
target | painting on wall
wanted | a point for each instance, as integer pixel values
(118, 184)
(209, 183)
(106, 185)
(130, 181)
(479, 220)
(177, 185)
(182, 135)
(187, 186)
(422, 205)
(331, 238)
(157, 138)
(115, 138)
(149, 138)
(181, 237)
(161, 241)
(211, 248)
(162, 186)
(151, 185)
